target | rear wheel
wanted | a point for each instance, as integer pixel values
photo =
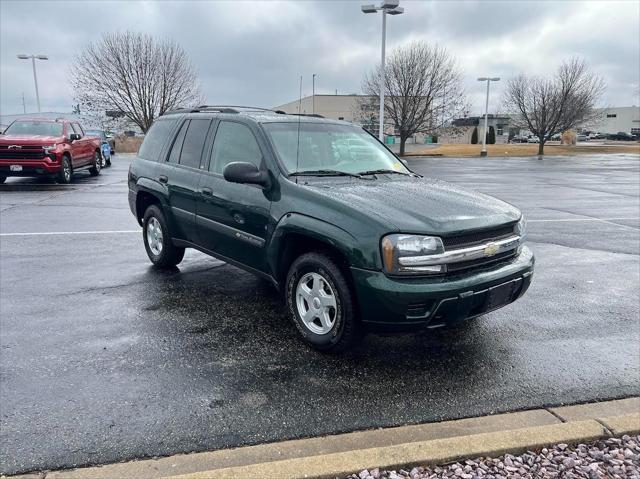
(66, 171)
(97, 163)
(157, 239)
(321, 304)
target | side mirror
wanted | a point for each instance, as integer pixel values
(74, 136)
(246, 173)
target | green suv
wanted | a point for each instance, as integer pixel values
(325, 212)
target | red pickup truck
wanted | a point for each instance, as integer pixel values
(42, 147)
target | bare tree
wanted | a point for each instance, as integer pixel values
(135, 75)
(547, 106)
(423, 89)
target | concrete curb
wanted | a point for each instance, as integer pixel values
(435, 443)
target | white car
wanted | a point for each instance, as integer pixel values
(582, 137)
(533, 139)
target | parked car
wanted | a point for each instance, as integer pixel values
(42, 147)
(533, 139)
(104, 145)
(519, 139)
(597, 136)
(556, 137)
(582, 137)
(354, 242)
(621, 136)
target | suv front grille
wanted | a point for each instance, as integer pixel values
(27, 152)
(473, 239)
(478, 263)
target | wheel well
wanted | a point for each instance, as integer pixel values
(296, 244)
(143, 201)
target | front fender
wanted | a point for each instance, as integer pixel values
(334, 236)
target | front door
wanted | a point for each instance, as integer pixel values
(183, 175)
(232, 218)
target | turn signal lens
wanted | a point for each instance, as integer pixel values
(387, 253)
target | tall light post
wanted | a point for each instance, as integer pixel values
(313, 93)
(486, 113)
(386, 7)
(33, 58)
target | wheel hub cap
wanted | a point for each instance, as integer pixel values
(154, 236)
(316, 303)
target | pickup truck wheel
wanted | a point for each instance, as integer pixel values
(157, 239)
(321, 304)
(97, 164)
(66, 171)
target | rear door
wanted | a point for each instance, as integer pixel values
(183, 176)
(232, 218)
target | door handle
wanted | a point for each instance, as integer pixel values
(163, 179)
(206, 191)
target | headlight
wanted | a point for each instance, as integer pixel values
(49, 148)
(521, 228)
(401, 253)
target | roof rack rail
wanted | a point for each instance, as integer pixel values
(217, 108)
(313, 115)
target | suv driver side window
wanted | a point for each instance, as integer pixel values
(233, 142)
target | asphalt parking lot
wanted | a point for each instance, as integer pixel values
(105, 359)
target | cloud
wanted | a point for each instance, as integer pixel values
(254, 52)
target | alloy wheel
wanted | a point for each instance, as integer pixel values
(316, 303)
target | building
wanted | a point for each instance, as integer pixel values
(616, 119)
(336, 107)
(461, 129)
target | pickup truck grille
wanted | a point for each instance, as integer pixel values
(27, 152)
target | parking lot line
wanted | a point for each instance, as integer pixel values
(562, 220)
(45, 233)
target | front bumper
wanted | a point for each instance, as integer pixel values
(30, 168)
(398, 304)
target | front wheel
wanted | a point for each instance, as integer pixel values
(97, 164)
(321, 304)
(157, 239)
(66, 171)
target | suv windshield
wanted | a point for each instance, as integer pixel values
(39, 128)
(320, 148)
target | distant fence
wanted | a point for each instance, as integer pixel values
(128, 144)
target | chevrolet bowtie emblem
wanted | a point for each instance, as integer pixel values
(15, 147)
(491, 249)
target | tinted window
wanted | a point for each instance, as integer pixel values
(234, 142)
(154, 140)
(174, 156)
(194, 143)
(34, 128)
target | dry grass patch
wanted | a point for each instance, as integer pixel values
(526, 149)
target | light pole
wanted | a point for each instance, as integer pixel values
(22, 56)
(386, 7)
(313, 93)
(486, 114)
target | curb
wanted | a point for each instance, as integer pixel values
(344, 454)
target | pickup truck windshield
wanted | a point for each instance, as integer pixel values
(39, 128)
(326, 147)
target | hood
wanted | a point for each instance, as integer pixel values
(418, 205)
(30, 140)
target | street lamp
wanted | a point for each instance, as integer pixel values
(386, 7)
(486, 114)
(33, 58)
(313, 94)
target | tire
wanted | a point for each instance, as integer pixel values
(97, 164)
(66, 171)
(3, 179)
(157, 239)
(317, 288)
(108, 162)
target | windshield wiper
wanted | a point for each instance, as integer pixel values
(383, 171)
(324, 173)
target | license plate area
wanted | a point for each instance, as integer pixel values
(15, 168)
(499, 295)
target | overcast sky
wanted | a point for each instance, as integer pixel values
(253, 52)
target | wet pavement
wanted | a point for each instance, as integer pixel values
(104, 359)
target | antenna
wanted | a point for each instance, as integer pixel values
(299, 117)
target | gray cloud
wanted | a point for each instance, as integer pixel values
(254, 52)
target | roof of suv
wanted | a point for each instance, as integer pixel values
(260, 115)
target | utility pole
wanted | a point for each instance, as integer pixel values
(313, 93)
(486, 114)
(24, 106)
(33, 58)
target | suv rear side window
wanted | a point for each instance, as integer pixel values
(176, 148)
(154, 140)
(233, 142)
(194, 142)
